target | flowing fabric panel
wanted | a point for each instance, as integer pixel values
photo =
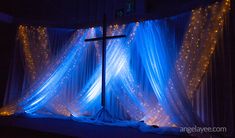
(151, 75)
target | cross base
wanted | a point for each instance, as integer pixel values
(104, 116)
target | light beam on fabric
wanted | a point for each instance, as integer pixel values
(158, 68)
(145, 72)
(49, 88)
(116, 60)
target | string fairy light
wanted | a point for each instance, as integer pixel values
(34, 62)
(198, 46)
(43, 47)
(200, 42)
(23, 36)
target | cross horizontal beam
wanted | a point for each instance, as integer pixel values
(107, 37)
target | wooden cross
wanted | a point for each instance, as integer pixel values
(104, 38)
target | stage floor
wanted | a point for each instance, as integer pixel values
(48, 127)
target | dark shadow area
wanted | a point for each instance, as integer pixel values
(10, 131)
(50, 127)
(7, 42)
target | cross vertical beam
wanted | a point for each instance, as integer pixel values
(104, 38)
(103, 61)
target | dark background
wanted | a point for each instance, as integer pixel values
(76, 14)
(80, 13)
(88, 13)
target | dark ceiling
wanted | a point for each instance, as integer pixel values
(90, 11)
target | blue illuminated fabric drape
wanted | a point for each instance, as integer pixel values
(151, 75)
